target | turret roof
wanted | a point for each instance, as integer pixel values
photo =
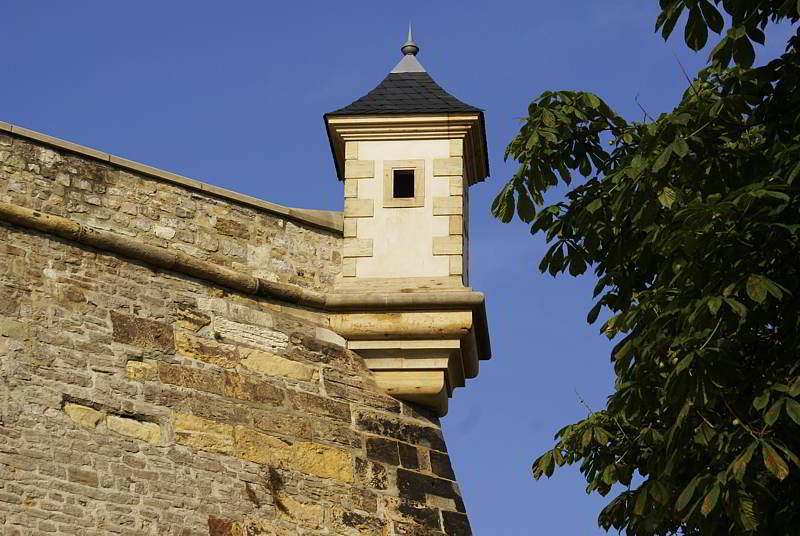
(408, 89)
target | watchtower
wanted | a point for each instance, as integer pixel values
(408, 152)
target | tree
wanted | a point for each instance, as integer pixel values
(691, 222)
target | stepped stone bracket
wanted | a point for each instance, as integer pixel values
(416, 356)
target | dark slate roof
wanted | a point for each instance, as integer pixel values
(406, 93)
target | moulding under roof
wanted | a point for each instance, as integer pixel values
(324, 219)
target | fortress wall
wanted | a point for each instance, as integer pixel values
(161, 213)
(138, 401)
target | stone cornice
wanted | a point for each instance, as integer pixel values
(468, 127)
(323, 219)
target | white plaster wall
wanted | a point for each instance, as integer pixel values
(403, 237)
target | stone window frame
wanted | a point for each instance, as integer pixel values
(389, 201)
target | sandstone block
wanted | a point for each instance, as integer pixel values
(142, 332)
(357, 247)
(448, 245)
(456, 524)
(457, 147)
(440, 465)
(243, 388)
(383, 450)
(350, 227)
(83, 415)
(348, 266)
(447, 166)
(351, 150)
(248, 315)
(257, 336)
(218, 526)
(203, 434)
(447, 206)
(13, 329)
(319, 405)
(167, 233)
(142, 372)
(144, 431)
(352, 523)
(456, 225)
(359, 169)
(257, 447)
(82, 476)
(222, 355)
(306, 457)
(350, 188)
(191, 319)
(384, 425)
(456, 265)
(370, 474)
(359, 208)
(270, 364)
(230, 227)
(408, 456)
(456, 186)
(310, 515)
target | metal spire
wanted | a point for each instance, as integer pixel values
(409, 47)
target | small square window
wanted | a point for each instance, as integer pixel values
(402, 183)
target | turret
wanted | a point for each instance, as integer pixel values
(408, 152)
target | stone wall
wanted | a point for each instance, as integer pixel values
(161, 213)
(138, 401)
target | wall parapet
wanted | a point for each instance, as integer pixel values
(324, 219)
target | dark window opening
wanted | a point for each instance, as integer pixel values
(403, 183)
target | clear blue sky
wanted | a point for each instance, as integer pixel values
(232, 93)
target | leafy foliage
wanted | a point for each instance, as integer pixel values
(691, 222)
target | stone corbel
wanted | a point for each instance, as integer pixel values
(417, 356)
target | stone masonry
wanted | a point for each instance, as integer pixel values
(138, 401)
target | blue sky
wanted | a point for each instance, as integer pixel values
(232, 93)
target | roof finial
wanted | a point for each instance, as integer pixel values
(409, 47)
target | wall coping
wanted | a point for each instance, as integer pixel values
(324, 219)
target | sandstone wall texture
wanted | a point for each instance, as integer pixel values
(139, 401)
(160, 213)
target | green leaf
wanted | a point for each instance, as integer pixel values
(641, 502)
(743, 53)
(712, 16)
(586, 439)
(696, 31)
(680, 147)
(687, 494)
(592, 316)
(710, 501)
(773, 461)
(761, 401)
(601, 436)
(662, 159)
(747, 514)
(740, 464)
(755, 34)
(736, 306)
(667, 197)
(503, 205)
(794, 390)
(774, 412)
(585, 167)
(756, 289)
(594, 205)
(714, 304)
(525, 208)
(793, 410)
